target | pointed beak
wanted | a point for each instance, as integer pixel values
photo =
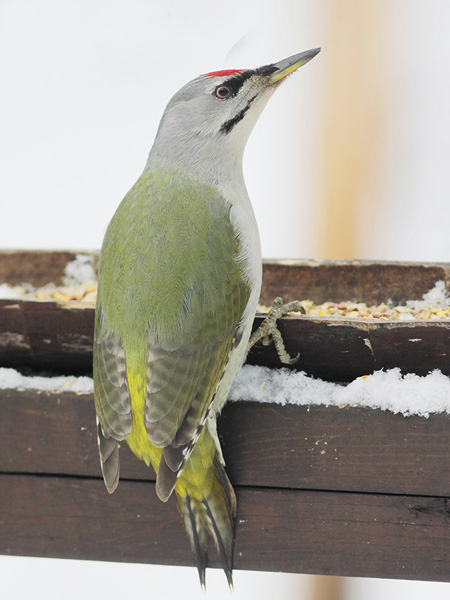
(280, 70)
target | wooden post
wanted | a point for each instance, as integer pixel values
(326, 588)
(353, 120)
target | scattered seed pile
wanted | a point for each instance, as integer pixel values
(434, 305)
(383, 311)
(85, 292)
(80, 286)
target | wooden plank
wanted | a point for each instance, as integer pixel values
(59, 336)
(353, 280)
(339, 449)
(46, 335)
(343, 349)
(338, 491)
(37, 267)
(296, 447)
(280, 530)
(318, 280)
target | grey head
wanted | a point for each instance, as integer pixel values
(208, 121)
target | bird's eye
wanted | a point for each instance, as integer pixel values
(222, 92)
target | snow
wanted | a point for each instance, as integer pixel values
(80, 270)
(437, 296)
(80, 281)
(12, 379)
(386, 390)
(9, 292)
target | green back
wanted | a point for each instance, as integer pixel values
(170, 298)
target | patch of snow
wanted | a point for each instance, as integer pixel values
(9, 292)
(437, 296)
(386, 390)
(12, 379)
(80, 270)
(406, 317)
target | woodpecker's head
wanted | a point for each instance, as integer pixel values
(215, 113)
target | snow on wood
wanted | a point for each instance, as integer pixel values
(386, 390)
(12, 379)
(408, 394)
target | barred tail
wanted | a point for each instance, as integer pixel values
(210, 513)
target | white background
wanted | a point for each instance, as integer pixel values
(85, 84)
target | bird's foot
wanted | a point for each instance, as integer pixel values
(268, 330)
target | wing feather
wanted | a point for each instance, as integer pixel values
(112, 401)
(180, 428)
(171, 277)
(109, 459)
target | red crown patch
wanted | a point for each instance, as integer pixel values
(223, 73)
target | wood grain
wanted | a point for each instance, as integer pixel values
(37, 267)
(59, 336)
(328, 490)
(319, 280)
(45, 335)
(343, 349)
(295, 447)
(280, 530)
(353, 280)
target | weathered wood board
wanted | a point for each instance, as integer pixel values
(58, 336)
(321, 490)
(329, 533)
(328, 490)
(265, 445)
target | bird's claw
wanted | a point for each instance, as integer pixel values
(268, 330)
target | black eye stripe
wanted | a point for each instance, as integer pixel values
(236, 82)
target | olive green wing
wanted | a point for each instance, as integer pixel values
(181, 387)
(171, 296)
(181, 381)
(112, 400)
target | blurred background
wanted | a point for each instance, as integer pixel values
(350, 159)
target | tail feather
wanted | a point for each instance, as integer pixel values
(211, 514)
(223, 545)
(199, 540)
(108, 449)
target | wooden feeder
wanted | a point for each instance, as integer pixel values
(326, 490)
